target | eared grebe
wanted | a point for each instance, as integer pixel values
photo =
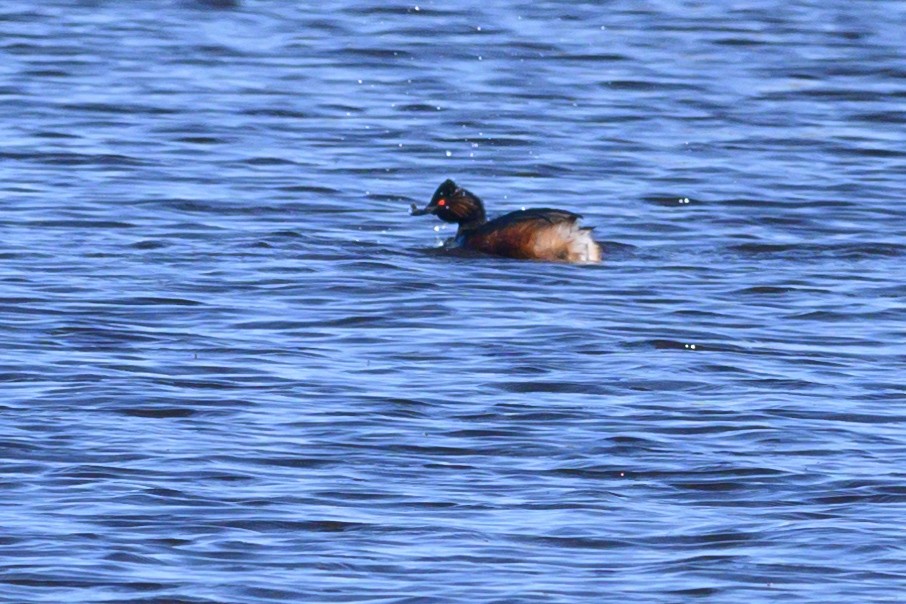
(538, 233)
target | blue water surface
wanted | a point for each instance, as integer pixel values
(233, 370)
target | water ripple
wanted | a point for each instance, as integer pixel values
(235, 370)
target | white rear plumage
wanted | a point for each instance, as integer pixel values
(584, 247)
(568, 241)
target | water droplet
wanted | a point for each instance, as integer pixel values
(449, 153)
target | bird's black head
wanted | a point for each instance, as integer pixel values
(451, 203)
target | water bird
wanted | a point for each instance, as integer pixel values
(536, 233)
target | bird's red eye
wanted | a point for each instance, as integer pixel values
(442, 202)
